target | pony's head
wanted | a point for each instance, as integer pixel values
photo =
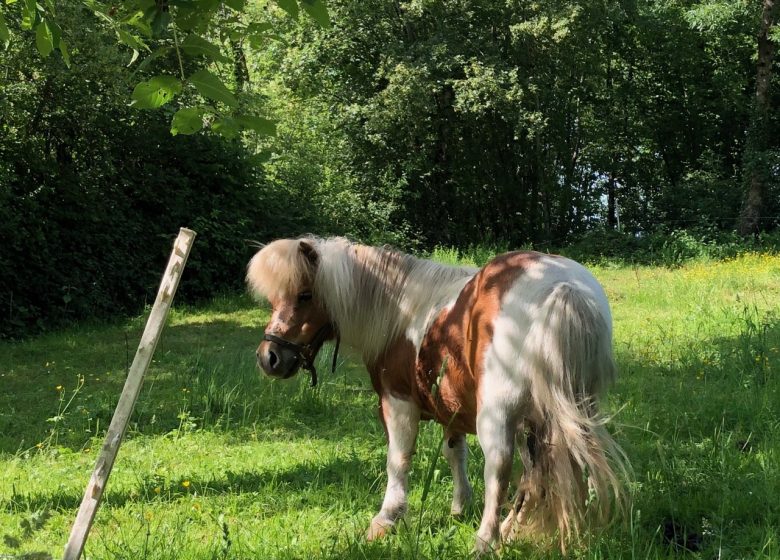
(283, 273)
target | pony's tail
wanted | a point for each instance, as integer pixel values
(573, 471)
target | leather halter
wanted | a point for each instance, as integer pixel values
(308, 352)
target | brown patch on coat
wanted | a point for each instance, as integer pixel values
(393, 373)
(460, 335)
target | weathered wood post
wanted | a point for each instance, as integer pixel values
(124, 408)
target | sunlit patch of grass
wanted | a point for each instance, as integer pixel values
(221, 462)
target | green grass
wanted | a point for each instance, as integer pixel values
(220, 462)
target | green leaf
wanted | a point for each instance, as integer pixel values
(318, 11)
(133, 58)
(212, 88)
(226, 127)
(160, 22)
(774, 34)
(258, 124)
(131, 40)
(208, 5)
(64, 52)
(187, 120)
(56, 32)
(289, 6)
(155, 92)
(237, 5)
(29, 14)
(138, 20)
(198, 46)
(5, 35)
(44, 41)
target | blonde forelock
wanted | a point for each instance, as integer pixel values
(280, 270)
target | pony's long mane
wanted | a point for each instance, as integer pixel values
(371, 294)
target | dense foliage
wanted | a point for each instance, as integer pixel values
(92, 192)
(418, 123)
(477, 120)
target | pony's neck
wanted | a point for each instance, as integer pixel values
(374, 294)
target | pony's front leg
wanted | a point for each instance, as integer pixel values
(455, 451)
(496, 437)
(402, 419)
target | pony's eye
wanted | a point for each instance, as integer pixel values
(304, 296)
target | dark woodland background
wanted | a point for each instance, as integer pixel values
(641, 131)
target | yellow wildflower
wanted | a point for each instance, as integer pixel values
(157, 489)
(186, 483)
(59, 388)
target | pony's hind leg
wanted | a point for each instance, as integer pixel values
(496, 433)
(455, 451)
(402, 419)
(528, 485)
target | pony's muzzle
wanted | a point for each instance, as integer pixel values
(277, 361)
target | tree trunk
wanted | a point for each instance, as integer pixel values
(755, 165)
(611, 213)
(240, 70)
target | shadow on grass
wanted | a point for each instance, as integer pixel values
(300, 478)
(701, 431)
(203, 373)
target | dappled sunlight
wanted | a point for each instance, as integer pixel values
(288, 468)
(249, 318)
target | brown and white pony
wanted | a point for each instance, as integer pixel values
(517, 352)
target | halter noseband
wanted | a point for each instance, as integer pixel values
(307, 352)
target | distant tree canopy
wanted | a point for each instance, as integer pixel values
(417, 123)
(476, 120)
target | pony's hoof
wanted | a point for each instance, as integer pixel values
(482, 547)
(379, 528)
(460, 504)
(457, 510)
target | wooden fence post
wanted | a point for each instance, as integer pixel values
(124, 408)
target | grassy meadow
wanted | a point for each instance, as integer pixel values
(220, 462)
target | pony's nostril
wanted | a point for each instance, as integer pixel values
(273, 359)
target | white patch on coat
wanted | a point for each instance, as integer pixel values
(402, 418)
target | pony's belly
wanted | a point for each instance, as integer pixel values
(457, 406)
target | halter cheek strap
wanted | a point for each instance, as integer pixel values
(307, 352)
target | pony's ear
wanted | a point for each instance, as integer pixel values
(308, 251)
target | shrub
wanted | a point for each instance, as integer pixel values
(87, 239)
